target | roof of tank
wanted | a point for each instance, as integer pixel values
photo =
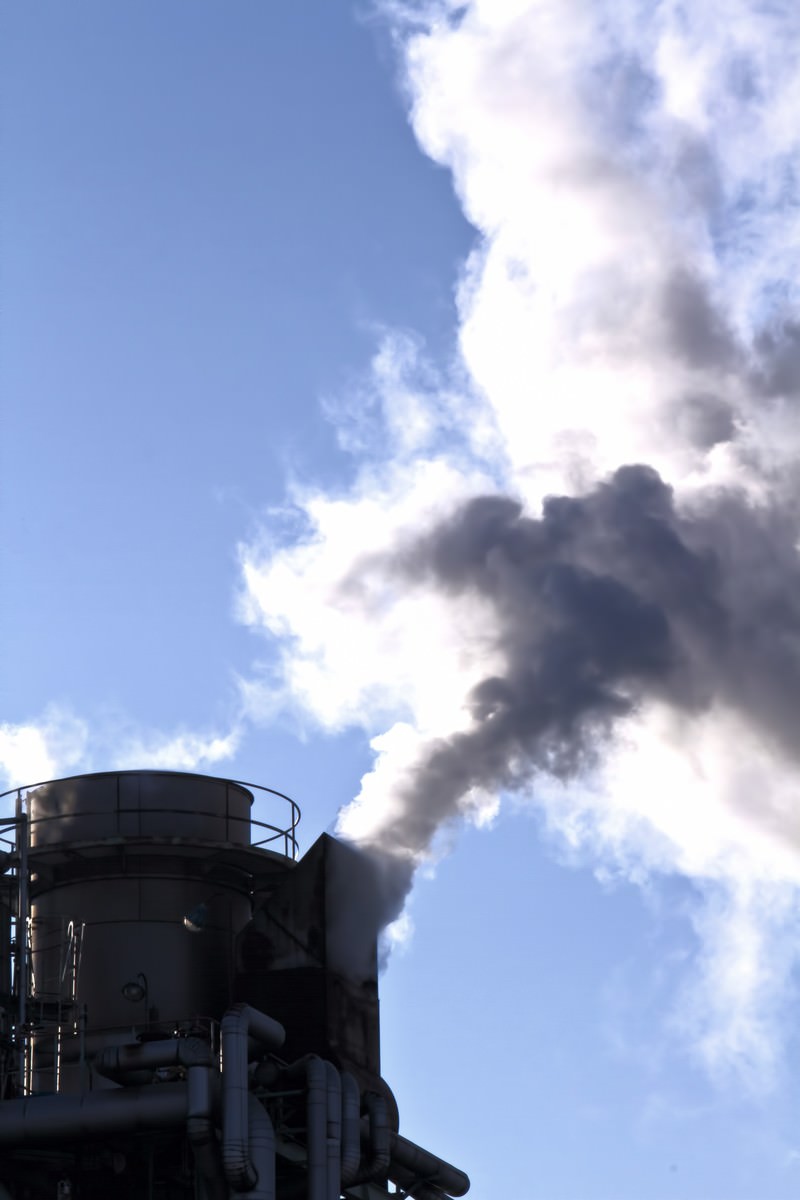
(156, 806)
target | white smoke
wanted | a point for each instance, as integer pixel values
(632, 297)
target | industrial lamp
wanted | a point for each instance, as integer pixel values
(136, 989)
(196, 919)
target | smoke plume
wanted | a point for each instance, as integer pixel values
(568, 568)
(604, 603)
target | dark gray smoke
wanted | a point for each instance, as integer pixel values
(604, 602)
(366, 892)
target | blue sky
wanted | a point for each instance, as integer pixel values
(281, 287)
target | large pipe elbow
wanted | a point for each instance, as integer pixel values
(262, 1151)
(242, 1022)
(239, 1024)
(411, 1162)
(136, 1062)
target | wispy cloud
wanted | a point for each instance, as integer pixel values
(736, 1011)
(58, 742)
(186, 750)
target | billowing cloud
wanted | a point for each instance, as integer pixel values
(607, 602)
(570, 574)
(58, 742)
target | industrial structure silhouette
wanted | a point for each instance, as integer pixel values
(189, 1012)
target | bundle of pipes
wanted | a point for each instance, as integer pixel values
(345, 1146)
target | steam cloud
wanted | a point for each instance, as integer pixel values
(606, 601)
(568, 565)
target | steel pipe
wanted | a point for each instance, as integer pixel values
(409, 1160)
(378, 1137)
(136, 1062)
(316, 1080)
(92, 1114)
(351, 1131)
(262, 1151)
(201, 1135)
(239, 1024)
(123, 1064)
(333, 1131)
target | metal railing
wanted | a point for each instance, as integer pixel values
(18, 838)
(287, 833)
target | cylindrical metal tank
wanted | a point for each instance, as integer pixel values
(140, 882)
(135, 804)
